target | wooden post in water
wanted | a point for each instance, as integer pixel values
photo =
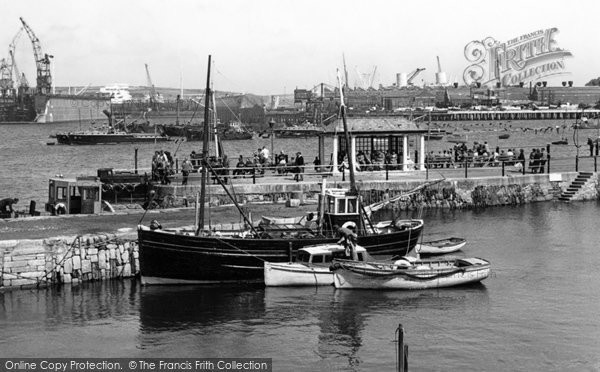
(401, 350)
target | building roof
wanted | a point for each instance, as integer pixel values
(375, 125)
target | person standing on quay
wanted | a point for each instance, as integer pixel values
(186, 168)
(591, 145)
(299, 167)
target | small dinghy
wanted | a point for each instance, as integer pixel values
(409, 273)
(441, 246)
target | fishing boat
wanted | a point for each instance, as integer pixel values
(409, 273)
(440, 246)
(200, 255)
(310, 268)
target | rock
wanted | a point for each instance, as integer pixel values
(76, 263)
(86, 266)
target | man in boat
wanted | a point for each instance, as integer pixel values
(348, 239)
(6, 206)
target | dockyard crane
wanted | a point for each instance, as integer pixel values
(6, 82)
(42, 62)
(154, 96)
(413, 75)
(11, 52)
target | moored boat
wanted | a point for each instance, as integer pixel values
(200, 255)
(440, 246)
(409, 273)
(311, 267)
(101, 137)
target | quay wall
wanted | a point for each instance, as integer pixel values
(64, 260)
(448, 193)
(43, 262)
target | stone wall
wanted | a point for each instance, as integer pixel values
(449, 193)
(42, 262)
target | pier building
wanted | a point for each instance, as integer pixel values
(370, 135)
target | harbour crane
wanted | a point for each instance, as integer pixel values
(42, 62)
(19, 79)
(6, 82)
(154, 97)
(413, 75)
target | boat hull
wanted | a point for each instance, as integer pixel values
(442, 246)
(293, 274)
(181, 257)
(368, 276)
(100, 139)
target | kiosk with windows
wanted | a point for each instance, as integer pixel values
(82, 195)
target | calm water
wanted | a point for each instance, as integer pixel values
(539, 311)
(27, 162)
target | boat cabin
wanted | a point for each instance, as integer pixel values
(324, 254)
(82, 195)
(340, 209)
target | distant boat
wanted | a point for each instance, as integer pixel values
(441, 246)
(409, 273)
(504, 136)
(563, 141)
(107, 135)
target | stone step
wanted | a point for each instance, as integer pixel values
(589, 174)
(581, 183)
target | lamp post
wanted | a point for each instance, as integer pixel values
(271, 124)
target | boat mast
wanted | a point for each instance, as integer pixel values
(353, 190)
(204, 161)
(214, 104)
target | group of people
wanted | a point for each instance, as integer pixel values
(162, 167)
(283, 164)
(482, 155)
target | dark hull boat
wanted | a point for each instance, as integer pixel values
(100, 138)
(173, 257)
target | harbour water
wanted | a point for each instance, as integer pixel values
(538, 311)
(27, 162)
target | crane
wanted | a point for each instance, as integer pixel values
(6, 82)
(19, 79)
(414, 75)
(154, 97)
(42, 62)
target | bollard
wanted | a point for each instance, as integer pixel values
(502, 168)
(595, 164)
(343, 174)
(523, 167)
(135, 158)
(387, 178)
(290, 252)
(576, 163)
(253, 175)
(401, 350)
(466, 166)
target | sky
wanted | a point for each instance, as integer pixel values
(274, 46)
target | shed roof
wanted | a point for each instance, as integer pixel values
(375, 125)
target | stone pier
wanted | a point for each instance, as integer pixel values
(44, 262)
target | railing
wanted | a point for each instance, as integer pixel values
(467, 167)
